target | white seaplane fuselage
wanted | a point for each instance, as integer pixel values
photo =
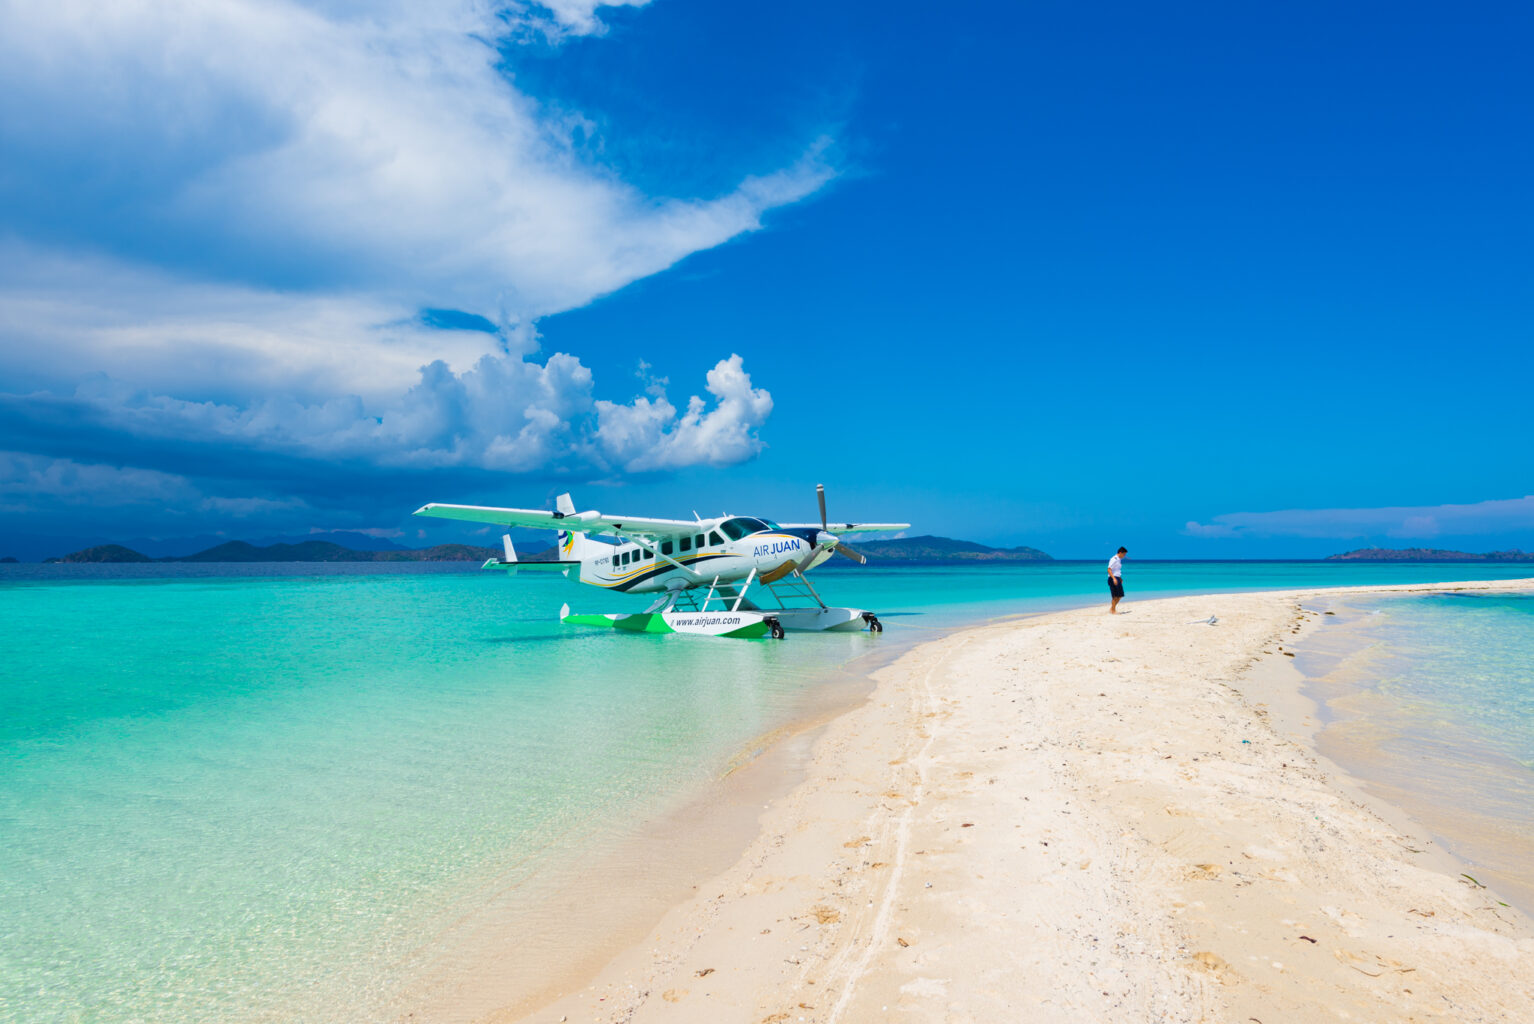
(726, 550)
(703, 568)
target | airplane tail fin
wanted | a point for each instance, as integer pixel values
(573, 546)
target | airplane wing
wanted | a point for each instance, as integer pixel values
(582, 522)
(841, 528)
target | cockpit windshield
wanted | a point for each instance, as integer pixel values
(743, 526)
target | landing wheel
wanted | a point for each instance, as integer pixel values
(874, 625)
(775, 629)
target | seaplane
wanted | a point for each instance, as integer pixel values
(731, 576)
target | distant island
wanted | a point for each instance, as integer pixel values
(944, 550)
(1429, 555)
(908, 550)
(103, 553)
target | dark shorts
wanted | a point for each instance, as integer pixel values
(1115, 587)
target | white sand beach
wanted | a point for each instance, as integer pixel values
(1081, 817)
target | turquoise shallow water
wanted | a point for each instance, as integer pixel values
(243, 793)
(1462, 665)
(1430, 700)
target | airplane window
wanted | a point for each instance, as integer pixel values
(623, 559)
(713, 538)
(771, 525)
(649, 554)
(686, 543)
(665, 547)
(735, 528)
(698, 541)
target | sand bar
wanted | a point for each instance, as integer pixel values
(1078, 817)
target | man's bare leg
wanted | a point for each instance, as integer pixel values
(1113, 609)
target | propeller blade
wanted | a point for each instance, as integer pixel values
(858, 557)
(820, 493)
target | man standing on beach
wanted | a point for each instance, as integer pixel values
(1116, 579)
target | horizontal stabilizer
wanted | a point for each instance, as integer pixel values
(512, 568)
(512, 564)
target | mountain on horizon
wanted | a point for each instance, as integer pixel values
(115, 553)
(1429, 555)
(940, 550)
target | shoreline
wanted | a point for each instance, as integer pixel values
(913, 909)
(1441, 794)
(568, 927)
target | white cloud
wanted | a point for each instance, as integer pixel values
(380, 146)
(63, 313)
(648, 434)
(273, 191)
(505, 413)
(1406, 522)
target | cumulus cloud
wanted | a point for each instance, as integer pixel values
(1406, 522)
(648, 434)
(504, 414)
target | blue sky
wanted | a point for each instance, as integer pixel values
(1206, 281)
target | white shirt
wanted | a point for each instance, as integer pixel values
(1116, 567)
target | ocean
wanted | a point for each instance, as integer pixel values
(243, 793)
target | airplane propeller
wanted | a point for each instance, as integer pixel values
(845, 550)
